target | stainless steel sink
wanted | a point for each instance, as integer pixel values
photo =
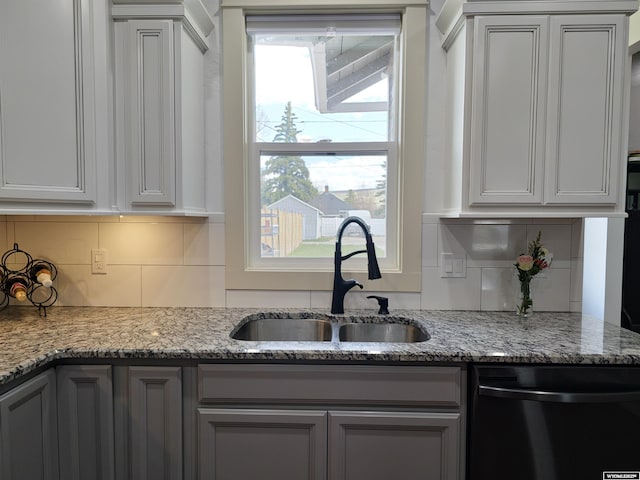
(381, 332)
(285, 329)
(308, 327)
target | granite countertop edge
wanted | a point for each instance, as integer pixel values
(30, 342)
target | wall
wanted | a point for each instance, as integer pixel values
(171, 262)
(166, 261)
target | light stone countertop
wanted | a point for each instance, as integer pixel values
(29, 342)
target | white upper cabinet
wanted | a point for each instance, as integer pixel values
(585, 153)
(507, 150)
(159, 91)
(54, 126)
(536, 107)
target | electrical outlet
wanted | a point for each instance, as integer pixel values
(99, 261)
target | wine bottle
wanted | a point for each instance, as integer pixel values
(16, 287)
(41, 273)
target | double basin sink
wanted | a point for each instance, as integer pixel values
(301, 327)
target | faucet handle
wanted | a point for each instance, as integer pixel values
(383, 302)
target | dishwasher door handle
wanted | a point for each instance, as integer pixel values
(558, 396)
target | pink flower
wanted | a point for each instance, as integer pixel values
(525, 262)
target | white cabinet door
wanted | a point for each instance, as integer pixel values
(160, 101)
(149, 131)
(508, 104)
(47, 101)
(546, 111)
(584, 128)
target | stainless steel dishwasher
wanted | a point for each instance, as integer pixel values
(554, 422)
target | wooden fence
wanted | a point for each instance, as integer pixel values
(281, 232)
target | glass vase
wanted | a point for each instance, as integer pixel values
(524, 298)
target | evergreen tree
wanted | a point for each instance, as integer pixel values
(286, 175)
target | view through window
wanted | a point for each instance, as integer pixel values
(324, 130)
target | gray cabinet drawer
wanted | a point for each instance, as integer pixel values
(330, 384)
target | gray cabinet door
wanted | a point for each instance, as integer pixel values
(250, 444)
(28, 434)
(148, 423)
(386, 445)
(85, 430)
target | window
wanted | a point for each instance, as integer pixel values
(316, 128)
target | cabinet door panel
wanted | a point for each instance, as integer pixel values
(86, 422)
(149, 127)
(262, 444)
(384, 445)
(46, 101)
(155, 423)
(28, 434)
(585, 93)
(507, 148)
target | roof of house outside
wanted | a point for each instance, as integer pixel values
(329, 204)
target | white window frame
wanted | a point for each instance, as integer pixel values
(244, 270)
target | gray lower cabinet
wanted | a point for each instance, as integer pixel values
(336, 422)
(148, 423)
(28, 430)
(265, 444)
(262, 444)
(85, 422)
(235, 422)
(384, 445)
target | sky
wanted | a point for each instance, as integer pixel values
(294, 82)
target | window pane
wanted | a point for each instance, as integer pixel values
(340, 86)
(305, 198)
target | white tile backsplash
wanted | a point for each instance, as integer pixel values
(486, 245)
(64, 243)
(557, 239)
(175, 261)
(450, 293)
(204, 244)
(577, 238)
(269, 299)
(357, 300)
(575, 293)
(551, 292)
(120, 287)
(143, 243)
(176, 286)
(429, 245)
(499, 288)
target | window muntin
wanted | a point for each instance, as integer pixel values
(334, 94)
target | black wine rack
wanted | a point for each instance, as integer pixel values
(18, 263)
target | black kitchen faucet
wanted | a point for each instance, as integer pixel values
(340, 285)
